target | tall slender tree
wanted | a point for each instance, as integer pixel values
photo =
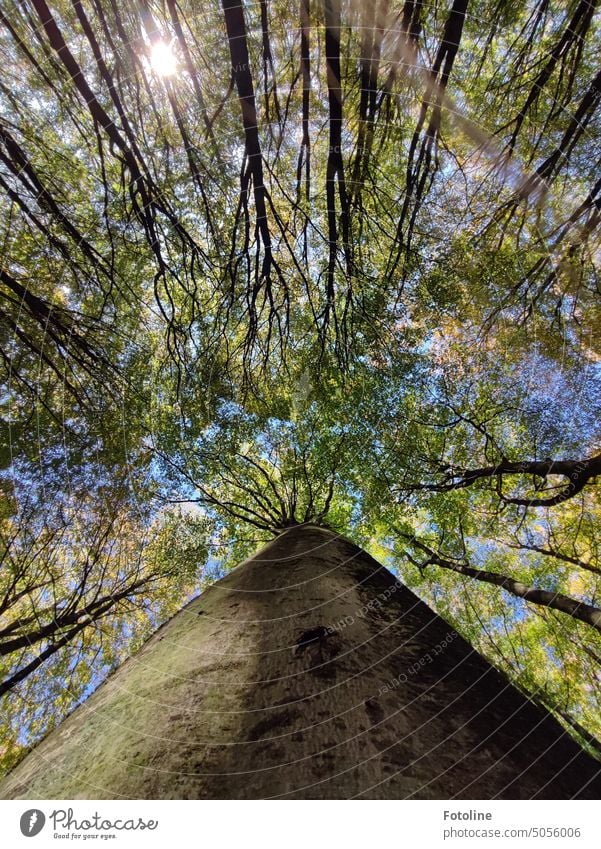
(331, 264)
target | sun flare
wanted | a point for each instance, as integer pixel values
(163, 59)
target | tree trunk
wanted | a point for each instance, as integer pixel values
(307, 672)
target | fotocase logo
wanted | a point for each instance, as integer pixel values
(32, 822)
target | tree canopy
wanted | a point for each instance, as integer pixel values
(333, 261)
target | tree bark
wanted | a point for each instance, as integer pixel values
(308, 672)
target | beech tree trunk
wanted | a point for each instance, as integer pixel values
(308, 671)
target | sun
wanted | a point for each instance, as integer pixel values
(163, 59)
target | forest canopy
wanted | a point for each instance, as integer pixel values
(334, 261)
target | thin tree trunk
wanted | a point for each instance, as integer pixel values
(308, 672)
